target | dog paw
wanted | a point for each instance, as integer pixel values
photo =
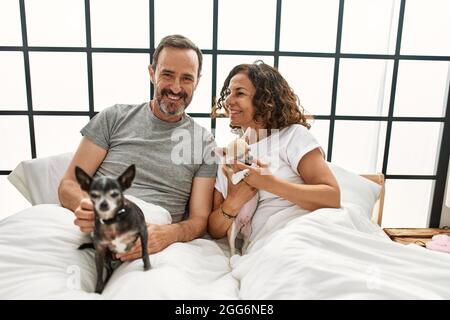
(99, 290)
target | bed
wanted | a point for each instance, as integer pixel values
(325, 254)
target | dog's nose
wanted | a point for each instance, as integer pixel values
(103, 206)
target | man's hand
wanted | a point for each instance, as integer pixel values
(85, 215)
(159, 238)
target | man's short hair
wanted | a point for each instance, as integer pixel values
(180, 42)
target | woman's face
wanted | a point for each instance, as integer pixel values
(239, 101)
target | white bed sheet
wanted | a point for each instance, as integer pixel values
(337, 254)
(39, 260)
(327, 254)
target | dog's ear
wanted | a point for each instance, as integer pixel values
(221, 152)
(126, 178)
(83, 179)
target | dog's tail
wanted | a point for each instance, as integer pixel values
(86, 246)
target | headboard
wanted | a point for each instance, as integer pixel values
(377, 214)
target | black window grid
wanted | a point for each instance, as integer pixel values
(444, 150)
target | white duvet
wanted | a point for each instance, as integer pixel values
(326, 254)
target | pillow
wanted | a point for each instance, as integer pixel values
(356, 189)
(38, 179)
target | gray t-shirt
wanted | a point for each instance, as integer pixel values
(167, 155)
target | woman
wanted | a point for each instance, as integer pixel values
(291, 171)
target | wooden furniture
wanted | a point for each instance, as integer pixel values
(419, 236)
(377, 214)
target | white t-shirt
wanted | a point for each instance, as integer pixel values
(283, 151)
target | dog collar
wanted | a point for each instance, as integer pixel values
(120, 213)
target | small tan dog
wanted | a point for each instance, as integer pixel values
(239, 150)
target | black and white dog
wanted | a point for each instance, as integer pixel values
(118, 221)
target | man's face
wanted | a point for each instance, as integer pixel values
(175, 80)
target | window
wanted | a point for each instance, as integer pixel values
(201, 102)
(380, 69)
(171, 19)
(360, 152)
(13, 92)
(10, 30)
(312, 81)
(309, 26)
(59, 81)
(246, 25)
(17, 149)
(120, 78)
(364, 87)
(370, 26)
(416, 142)
(426, 28)
(56, 23)
(321, 130)
(117, 24)
(409, 199)
(422, 88)
(48, 140)
(16, 201)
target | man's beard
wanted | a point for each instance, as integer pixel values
(164, 107)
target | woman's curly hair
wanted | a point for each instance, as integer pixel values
(276, 105)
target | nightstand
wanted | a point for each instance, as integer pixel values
(419, 236)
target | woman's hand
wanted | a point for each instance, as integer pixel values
(258, 177)
(237, 195)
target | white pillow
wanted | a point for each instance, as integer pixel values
(356, 189)
(38, 179)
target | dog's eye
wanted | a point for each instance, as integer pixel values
(94, 195)
(114, 194)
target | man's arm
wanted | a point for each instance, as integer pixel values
(161, 236)
(200, 206)
(88, 156)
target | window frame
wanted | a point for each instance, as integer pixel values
(444, 150)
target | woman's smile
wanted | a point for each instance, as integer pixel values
(234, 112)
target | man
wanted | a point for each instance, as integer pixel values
(142, 134)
